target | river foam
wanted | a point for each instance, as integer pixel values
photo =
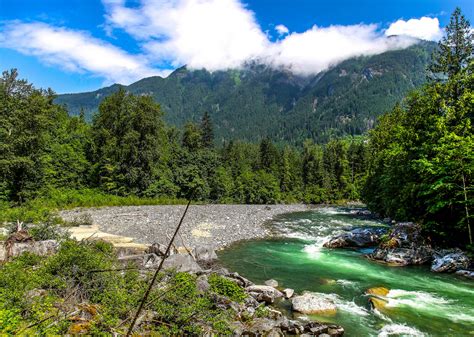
(400, 330)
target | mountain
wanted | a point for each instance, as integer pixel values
(259, 101)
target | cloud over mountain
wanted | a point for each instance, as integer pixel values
(211, 34)
(424, 28)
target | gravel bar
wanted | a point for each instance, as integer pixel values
(217, 225)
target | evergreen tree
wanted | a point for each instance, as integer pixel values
(207, 130)
(269, 156)
(456, 48)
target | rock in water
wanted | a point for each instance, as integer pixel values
(313, 303)
(377, 297)
(449, 261)
(288, 292)
(466, 273)
(404, 246)
(359, 237)
(271, 283)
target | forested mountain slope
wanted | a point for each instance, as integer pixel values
(261, 101)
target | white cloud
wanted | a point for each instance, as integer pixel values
(424, 28)
(211, 34)
(321, 47)
(282, 29)
(220, 34)
(74, 51)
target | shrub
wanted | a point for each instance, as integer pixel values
(225, 287)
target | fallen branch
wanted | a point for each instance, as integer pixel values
(150, 286)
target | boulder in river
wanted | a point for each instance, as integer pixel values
(377, 297)
(359, 237)
(403, 246)
(313, 303)
(271, 283)
(288, 292)
(449, 261)
(466, 273)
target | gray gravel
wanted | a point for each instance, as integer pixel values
(217, 225)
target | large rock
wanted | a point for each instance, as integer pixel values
(313, 303)
(272, 283)
(403, 256)
(449, 261)
(264, 293)
(377, 297)
(182, 263)
(466, 273)
(42, 248)
(404, 245)
(359, 237)
(204, 253)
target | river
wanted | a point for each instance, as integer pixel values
(420, 303)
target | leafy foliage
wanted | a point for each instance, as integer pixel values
(225, 287)
(422, 152)
(76, 279)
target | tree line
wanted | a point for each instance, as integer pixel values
(129, 150)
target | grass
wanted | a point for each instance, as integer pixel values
(45, 207)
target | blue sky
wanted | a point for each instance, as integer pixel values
(82, 45)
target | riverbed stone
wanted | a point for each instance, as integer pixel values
(204, 253)
(449, 261)
(377, 296)
(182, 263)
(403, 246)
(288, 292)
(272, 283)
(359, 237)
(466, 273)
(313, 303)
(264, 293)
(239, 279)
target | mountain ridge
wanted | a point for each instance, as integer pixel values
(258, 100)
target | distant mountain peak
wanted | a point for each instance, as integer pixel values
(258, 100)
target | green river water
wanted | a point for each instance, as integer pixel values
(420, 303)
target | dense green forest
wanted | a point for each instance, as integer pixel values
(128, 150)
(422, 152)
(261, 101)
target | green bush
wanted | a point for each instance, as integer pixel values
(9, 321)
(225, 287)
(41, 290)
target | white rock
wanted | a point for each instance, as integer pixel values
(272, 283)
(288, 292)
(313, 303)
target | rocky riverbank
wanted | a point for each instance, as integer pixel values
(252, 306)
(216, 225)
